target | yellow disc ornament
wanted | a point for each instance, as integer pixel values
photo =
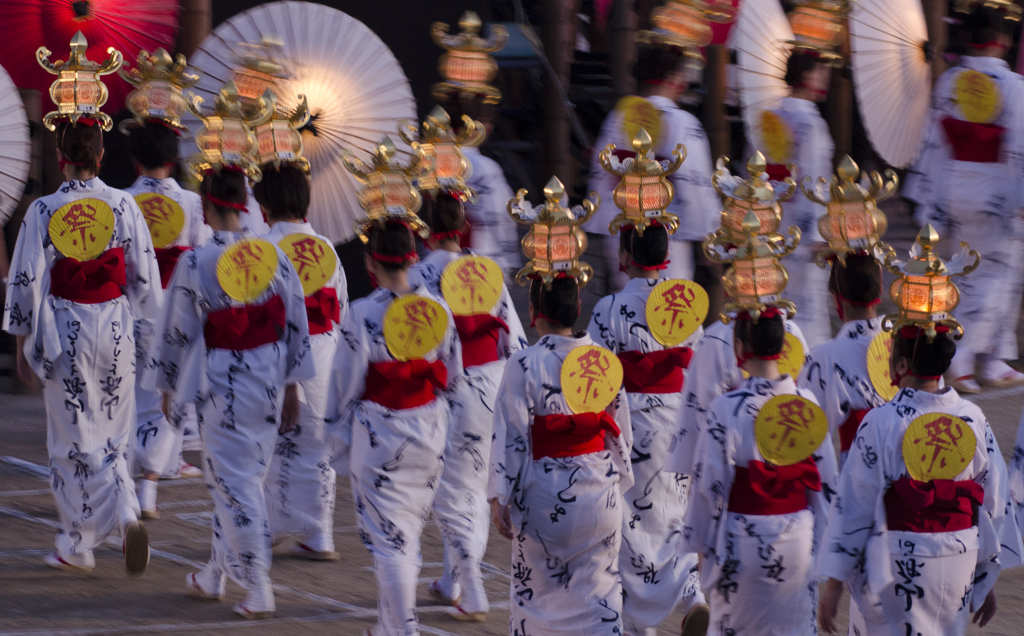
(591, 378)
(164, 217)
(82, 229)
(792, 357)
(313, 258)
(777, 137)
(413, 327)
(879, 352)
(978, 97)
(938, 446)
(675, 308)
(789, 429)
(639, 113)
(246, 269)
(471, 285)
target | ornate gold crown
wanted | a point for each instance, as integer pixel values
(79, 91)
(757, 195)
(924, 292)
(278, 140)
(158, 80)
(853, 222)
(818, 28)
(447, 168)
(467, 65)
(226, 137)
(643, 191)
(686, 25)
(555, 241)
(1013, 11)
(389, 193)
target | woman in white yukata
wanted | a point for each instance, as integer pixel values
(82, 274)
(922, 524)
(489, 332)
(301, 482)
(235, 341)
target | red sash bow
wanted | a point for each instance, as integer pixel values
(940, 505)
(166, 259)
(244, 328)
(404, 385)
(571, 435)
(978, 143)
(777, 172)
(766, 489)
(322, 310)
(655, 372)
(479, 337)
(89, 282)
(848, 429)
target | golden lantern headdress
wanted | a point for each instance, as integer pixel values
(389, 193)
(555, 241)
(79, 93)
(225, 139)
(923, 291)
(853, 223)
(159, 81)
(278, 140)
(447, 168)
(644, 191)
(1011, 9)
(686, 25)
(467, 65)
(757, 195)
(818, 28)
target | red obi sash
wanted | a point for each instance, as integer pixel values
(89, 282)
(940, 505)
(404, 385)
(655, 372)
(848, 429)
(777, 172)
(764, 489)
(322, 310)
(166, 259)
(978, 143)
(571, 435)
(244, 328)
(479, 337)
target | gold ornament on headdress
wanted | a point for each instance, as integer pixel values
(279, 140)
(467, 65)
(555, 241)
(644, 190)
(79, 91)
(686, 25)
(1013, 10)
(226, 137)
(258, 68)
(924, 292)
(756, 279)
(158, 80)
(757, 195)
(853, 222)
(389, 194)
(447, 168)
(818, 28)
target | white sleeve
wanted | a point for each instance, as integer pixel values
(299, 359)
(142, 272)
(511, 445)
(25, 291)
(713, 474)
(180, 358)
(515, 339)
(696, 203)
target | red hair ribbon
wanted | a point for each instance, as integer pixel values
(910, 332)
(985, 45)
(651, 268)
(533, 323)
(767, 312)
(860, 303)
(742, 359)
(224, 203)
(397, 260)
(441, 236)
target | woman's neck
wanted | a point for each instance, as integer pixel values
(545, 327)
(635, 272)
(767, 369)
(163, 172)
(450, 245)
(224, 223)
(395, 282)
(919, 384)
(74, 173)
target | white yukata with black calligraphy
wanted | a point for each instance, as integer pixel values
(917, 583)
(759, 568)
(461, 502)
(301, 481)
(493, 233)
(655, 575)
(712, 372)
(836, 372)
(567, 512)
(85, 356)
(395, 456)
(157, 443)
(238, 396)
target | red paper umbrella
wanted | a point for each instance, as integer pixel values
(127, 25)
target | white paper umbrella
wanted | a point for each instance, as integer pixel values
(15, 147)
(891, 76)
(356, 90)
(759, 40)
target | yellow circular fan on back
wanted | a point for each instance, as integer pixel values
(639, 113)
(164, 217)
(591, 378)
(978, 97)
(938, 446)
(414, 326)
(471, 285)
(777, 137)
(792, 357)
(879, 352)
(675, 308)
(82, 229)
(312, 257)
(789, 429)
(246, 269)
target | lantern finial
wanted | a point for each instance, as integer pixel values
(78, 92)
(159, 81)
(644, 191)
(642, 142)
(389, 194)
(757, 164)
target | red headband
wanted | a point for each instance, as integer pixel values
(451, 234)
(224, 203)
(396, 260)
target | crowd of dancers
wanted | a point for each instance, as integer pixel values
(642, 465)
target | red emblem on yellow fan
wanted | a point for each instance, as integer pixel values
(675, 308)
(938, 446)
(414, 326)
(313, 258)
(82, 229)
(591, 378)
(789, 429)
(164, 217)
(246, 269)
(471, 285)
(879, 352)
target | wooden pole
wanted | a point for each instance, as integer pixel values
(559, 44)
(195, 23)
(840, 105)
(935, 12)
(715, 125)
(622, 47)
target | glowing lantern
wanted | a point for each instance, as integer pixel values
(447, 168)
(818, 26)
(389, 193)
(643, 191)
(79, 91)
(686, 25)
(279, 140)
(226, 137)
(467, 65)
(159, 81)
